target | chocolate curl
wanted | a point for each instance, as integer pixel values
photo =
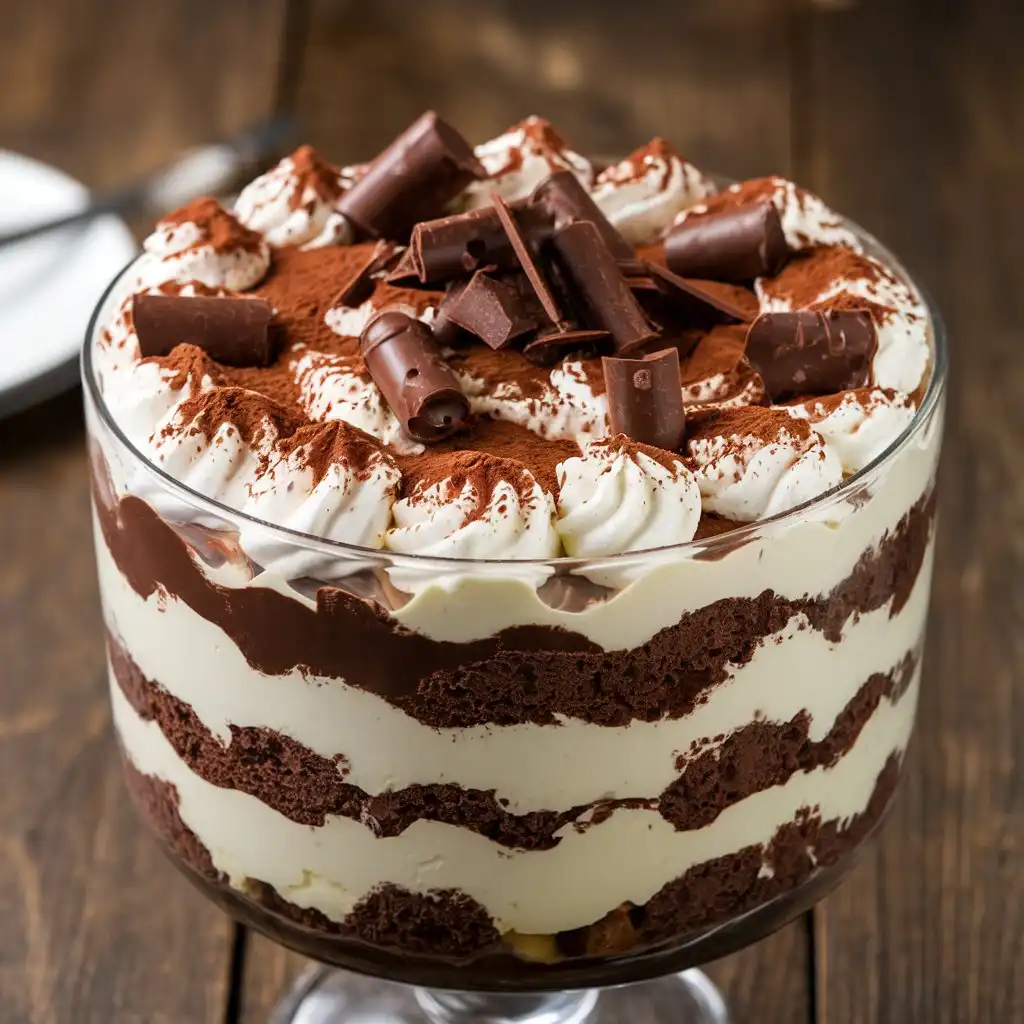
(548, 349)
(492, 310)
(463, 243)
(361, 284)
(230, 331)
(645, 400)
(690, 294)
(404, 361)
(602, 289)
(810, 352)
(427, 166)
(735, 245)
(567, 201)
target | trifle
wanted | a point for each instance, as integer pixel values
(514, 567)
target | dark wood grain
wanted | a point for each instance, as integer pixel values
(98, 927)
(712, 76)
(915, 128)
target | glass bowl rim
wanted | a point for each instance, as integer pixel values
(704, 548)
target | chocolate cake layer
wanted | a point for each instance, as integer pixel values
(521, 674)
(307, 787)
(450, 927)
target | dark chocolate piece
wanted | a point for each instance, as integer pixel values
(568, 201)
(645, 400)
(463, 243)
(428, 165)
(690, 294)
(734, 245)
(402, 356)
(812, 352)
(360, 286)
(549, 348)
(231, 331)
(491, 309)
(602, 289)
(526, 259)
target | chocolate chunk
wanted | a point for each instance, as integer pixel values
(492, 310)
(402, 356)
(428, 165)
(527, 261)
(645, 400)
(549, 348)
(231, 331)
(810, 352)
(601, 288)
(567, 201)
(734, 245)
(701, 296)
(451, 246)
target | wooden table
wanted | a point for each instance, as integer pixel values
(908, 116)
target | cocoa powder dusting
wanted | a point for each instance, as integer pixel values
(746, 421)
(218, 228)
(809, 274)
(334, 442)
(247, 411)
(313, 172)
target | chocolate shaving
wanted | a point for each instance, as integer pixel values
(402, 356)
(567, 201)
(809, 352)
(691, 294)
(601, 288)
(734, 245)
(446, 331)
(645, 400)
(231, 331)
(492, 310)
(412, 180)
(526, 260)
(549, 348)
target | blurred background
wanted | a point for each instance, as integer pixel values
(907, 115)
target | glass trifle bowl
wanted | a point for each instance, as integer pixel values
(515, 789)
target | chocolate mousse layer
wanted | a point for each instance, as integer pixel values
(428, 938)
(307, 787)
(522, 674)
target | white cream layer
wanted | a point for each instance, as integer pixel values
(628, 856)
(532, 767)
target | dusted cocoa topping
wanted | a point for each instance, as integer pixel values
(217, 228)
(248, 412)
(522, 674)
(313, 172)
(307, 787)
(812, 274)
(334, 443)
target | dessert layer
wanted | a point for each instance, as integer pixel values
(794, 670)
(448, 925)
(523, 674)
(307, 787)
(626, 856)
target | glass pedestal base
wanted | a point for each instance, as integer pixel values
(325, 995)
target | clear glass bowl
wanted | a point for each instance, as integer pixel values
(530, 777)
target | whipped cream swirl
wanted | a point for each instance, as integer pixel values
(202, 242)
(755, 463)
(642, 195)
(486, 508)
(520, 159)
(858, 425)
(295, 202)
(328, 481)
(616, 498)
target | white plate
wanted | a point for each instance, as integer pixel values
(50, 284)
